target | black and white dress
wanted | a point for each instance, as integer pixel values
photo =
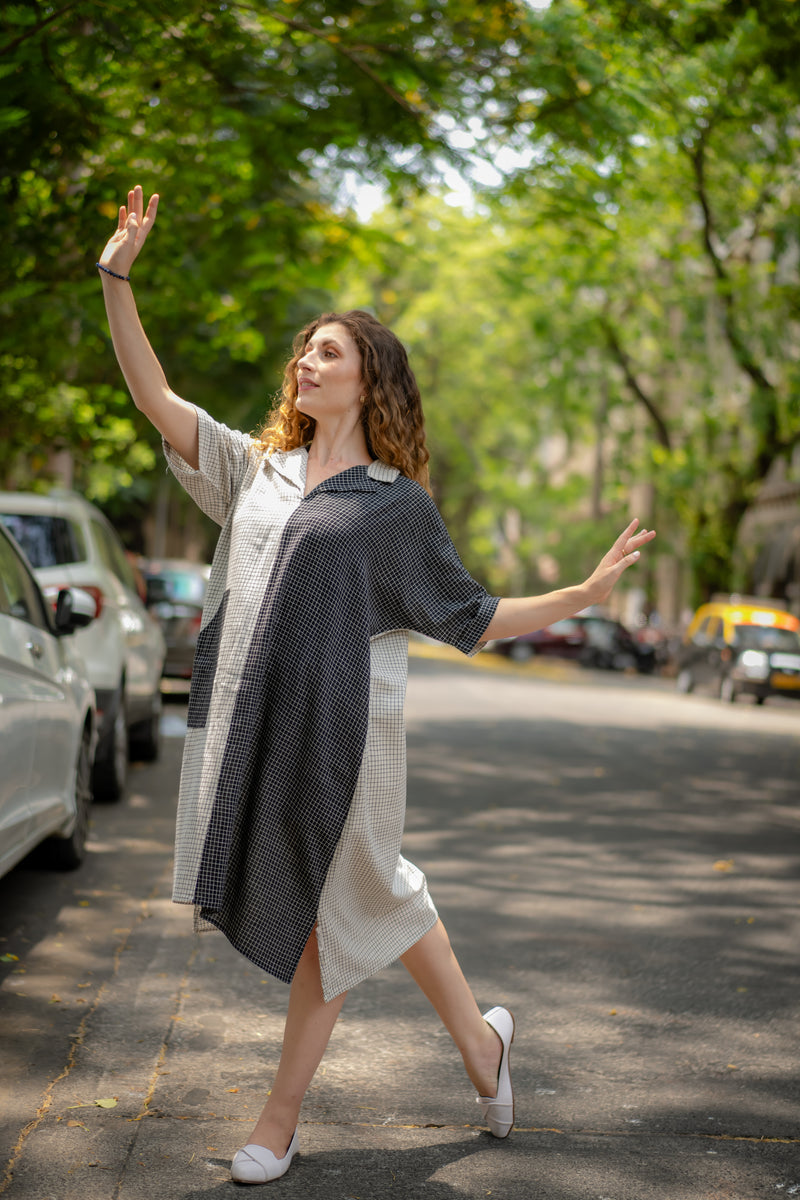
(292, 797)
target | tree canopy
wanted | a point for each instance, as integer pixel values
(614, 314)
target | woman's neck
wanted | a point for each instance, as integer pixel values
(330, 455)
(335, 449)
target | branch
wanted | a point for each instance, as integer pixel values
(662, 433)
(741, 353)
(37, 28)
(345, 51)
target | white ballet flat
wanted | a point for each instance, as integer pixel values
(498, 1111)
(257, 1164)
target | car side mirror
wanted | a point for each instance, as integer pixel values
(75, 609)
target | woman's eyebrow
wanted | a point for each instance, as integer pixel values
(325, 341)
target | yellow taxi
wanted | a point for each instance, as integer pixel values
(741, 645)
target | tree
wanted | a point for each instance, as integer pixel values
(675, 171)
(248, 117)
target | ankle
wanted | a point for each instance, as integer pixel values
(482, 1063)
(277, 1120)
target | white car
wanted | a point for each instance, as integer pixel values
(69, 543)
(47, 718)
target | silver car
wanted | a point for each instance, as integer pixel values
(69, 543)
(47, 718)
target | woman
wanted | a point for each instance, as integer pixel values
(293, 784)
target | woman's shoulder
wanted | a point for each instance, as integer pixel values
(410, 509)
(214, 430)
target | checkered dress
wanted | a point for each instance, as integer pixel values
(292, 796)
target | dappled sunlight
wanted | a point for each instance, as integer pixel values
(644, 886)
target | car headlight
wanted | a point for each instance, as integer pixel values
(754, 664)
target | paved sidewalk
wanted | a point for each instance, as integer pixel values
(645, 1068)
(185, 1038)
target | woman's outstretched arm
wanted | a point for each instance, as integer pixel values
(172, 416)
(523, 615)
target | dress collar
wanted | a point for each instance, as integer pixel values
(292, 466)
(359, 479)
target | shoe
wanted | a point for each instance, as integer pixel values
(257, 1164)
(498, 1111)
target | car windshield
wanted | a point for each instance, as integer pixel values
(47, 541)
(178, 586)
(766, 637)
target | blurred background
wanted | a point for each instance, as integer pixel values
(583, 220)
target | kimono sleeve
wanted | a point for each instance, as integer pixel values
(423, 584)
(224, 458)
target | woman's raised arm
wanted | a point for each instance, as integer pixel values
(172, 416)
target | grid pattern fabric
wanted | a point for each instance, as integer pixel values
(293, 785)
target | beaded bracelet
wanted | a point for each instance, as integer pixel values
(108, 271)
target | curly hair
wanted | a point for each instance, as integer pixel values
(391, 414)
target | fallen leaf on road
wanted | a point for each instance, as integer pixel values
(107, 1103)
(78, 1124)
(231, 1089)
(9, 958)
(723, 864)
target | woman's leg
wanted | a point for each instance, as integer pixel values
(434, 967)
(309, 1024)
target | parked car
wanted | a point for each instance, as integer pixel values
(47, 718)
(741, 647)
(70, 543)
(175, 593)
(593, 641)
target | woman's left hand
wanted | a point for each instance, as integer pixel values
(623, 554)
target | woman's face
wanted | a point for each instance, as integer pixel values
(329, 375)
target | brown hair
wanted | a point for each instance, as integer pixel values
(392, 410)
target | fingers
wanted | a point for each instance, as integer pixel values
(136, 202)
(641, 539)
(631, 550)
(627, 533)
(135, 209)
(152, 209)
(626, 542)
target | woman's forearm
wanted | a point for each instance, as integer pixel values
(144, 375)
(143, 372)
(514, 617)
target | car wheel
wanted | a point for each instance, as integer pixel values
(520, 652)
(685, 681)
(727, 690)
(111, 764)
(145, 737)
(65, 854)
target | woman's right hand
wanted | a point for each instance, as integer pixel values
(132, 229)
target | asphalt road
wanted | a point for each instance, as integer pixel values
(616, 863)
